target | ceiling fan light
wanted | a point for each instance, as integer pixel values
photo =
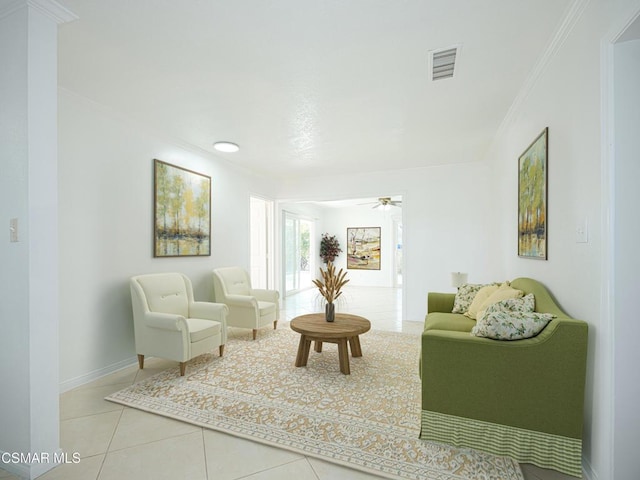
(227, 147)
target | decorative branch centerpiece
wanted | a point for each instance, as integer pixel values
(330, 287)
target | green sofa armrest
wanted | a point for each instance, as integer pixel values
(534, 384)
(440, 302)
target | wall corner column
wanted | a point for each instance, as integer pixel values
(29, 350)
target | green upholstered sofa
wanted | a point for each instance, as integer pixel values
(521, 398)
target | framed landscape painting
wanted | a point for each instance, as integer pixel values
(363, 248)
(532, 198)
(182, 212)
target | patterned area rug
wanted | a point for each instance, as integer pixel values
(368, 420)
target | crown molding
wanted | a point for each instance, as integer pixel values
(574, 12)
(50, 8)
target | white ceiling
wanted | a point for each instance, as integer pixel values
(308, 87)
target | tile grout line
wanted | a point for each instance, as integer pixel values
(148, 442)
(312, 469)
(273, 468)
(115, 429)
(89, 415)
(204, 453)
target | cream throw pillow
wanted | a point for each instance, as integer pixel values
(483, 294)
(505, 292)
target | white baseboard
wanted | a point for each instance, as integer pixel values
(96, 374)
(587, 471)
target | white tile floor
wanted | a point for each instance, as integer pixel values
(115, 442)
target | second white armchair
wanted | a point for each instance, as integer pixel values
(249, 307)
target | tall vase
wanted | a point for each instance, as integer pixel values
(330, 312)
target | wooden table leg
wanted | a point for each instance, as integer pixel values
(303, 351)
(343, 356)
(354, 342)
(318, 346)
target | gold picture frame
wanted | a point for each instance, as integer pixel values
(181, 212)
(532, 198)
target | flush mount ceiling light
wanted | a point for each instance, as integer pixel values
(227, 147)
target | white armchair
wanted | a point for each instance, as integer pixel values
(248, 307)
(168, 323)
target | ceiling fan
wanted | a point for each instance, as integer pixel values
(385, 203)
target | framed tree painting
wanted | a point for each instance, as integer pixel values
(532, 198)
(182, 212)
(363, 248)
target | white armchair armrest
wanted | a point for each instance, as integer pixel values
(216, 312)
(209, 311)
(243, 301)
(166, 321)
(266, 295)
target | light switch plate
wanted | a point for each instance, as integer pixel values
(13, 230)
(582, 232)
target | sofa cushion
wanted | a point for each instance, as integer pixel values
(200, 329)
(503, 293)
(511, 325)
(482, 295)
(465, 295)
(448, 321)
(522, 304)
(266, 308)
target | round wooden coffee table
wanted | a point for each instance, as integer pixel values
(314, 328)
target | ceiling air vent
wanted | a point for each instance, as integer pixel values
(443, 63)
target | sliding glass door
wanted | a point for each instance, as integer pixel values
(297, 252)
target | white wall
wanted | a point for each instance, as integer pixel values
(566, 96)
(106, 228)
(29, 414)
(447, 223)
(627, 259)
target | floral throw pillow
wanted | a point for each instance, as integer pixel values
(522, 304)
(511, 325)
(464, 296)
